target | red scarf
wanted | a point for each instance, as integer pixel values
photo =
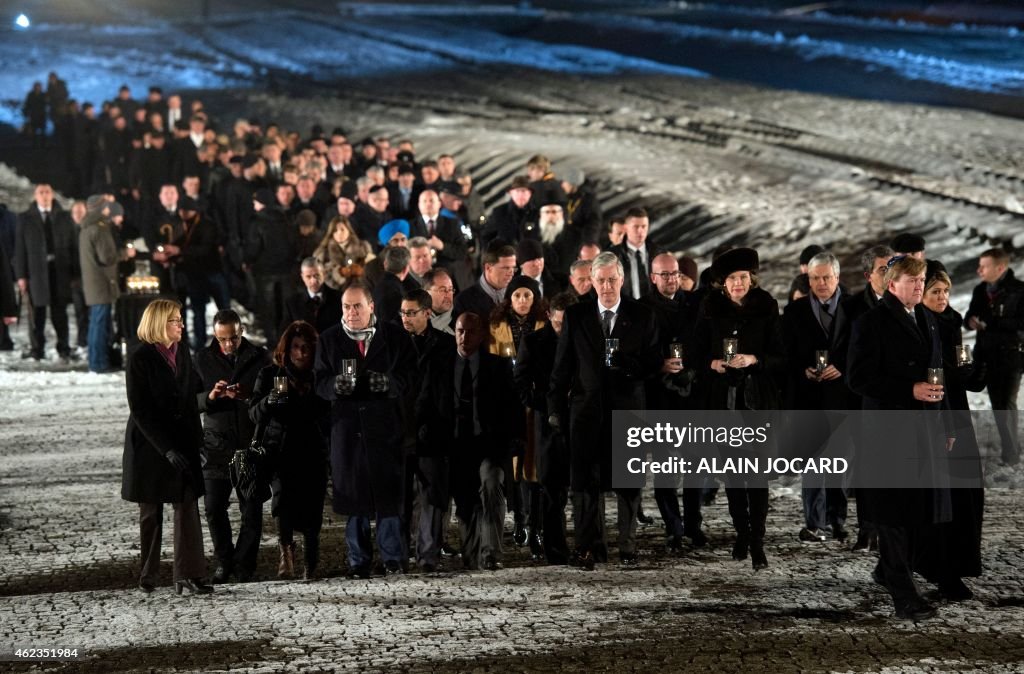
(170, 355)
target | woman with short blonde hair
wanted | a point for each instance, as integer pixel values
(161, 462)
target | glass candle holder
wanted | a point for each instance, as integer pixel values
(281, 384)
(675, 350)
(936, 376)
(964, 355)
(729, 346)
(611, 345)
(820, 360)
(348, 369)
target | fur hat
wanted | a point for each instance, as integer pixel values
(737, 259)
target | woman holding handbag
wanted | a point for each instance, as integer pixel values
(162, 443)
(292, 428)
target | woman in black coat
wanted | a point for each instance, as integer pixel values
(954, 552)
(736, 308)
(293, 425)
(162, 443)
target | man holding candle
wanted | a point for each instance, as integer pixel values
(816, 334)
(587, 384)
(891, 350)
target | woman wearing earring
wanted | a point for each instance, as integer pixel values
(162, 447)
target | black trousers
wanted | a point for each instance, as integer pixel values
(1003, 386)
(748, 508)
(898, 549)
(59, 319)
(188, 540)
(480, 507)
(242, 554)
(679, 523)
(588, 516)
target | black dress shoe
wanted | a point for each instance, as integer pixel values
(448, 551)
(491, 564)
(358, 573)
(739, 548)
(697, 538)
(393, 568)
(644, 519)
(519, 535)
(428, 568)
(955, 590)
(915, 609)
(536, 546)
(861, 545)
(674, 544)
(582, 560)
(147, 587)
(839, 532)
(193, 585)
(758, 560)
(221, 575)
(243, 576)
(811, 535)
(628, 559)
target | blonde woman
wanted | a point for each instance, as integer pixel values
(342, 253)
(161, 447)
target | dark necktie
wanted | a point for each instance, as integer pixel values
(606, 321)
(430, 227)
(826, 319)
(48, 231)
(465, 401)
(315, 301)
(641, 274)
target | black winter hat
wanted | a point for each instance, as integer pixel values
(521, 281)
(737, 259)
(529, 249)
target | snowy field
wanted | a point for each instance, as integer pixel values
(633, 94)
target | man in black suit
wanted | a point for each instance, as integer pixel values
(404, 194)
(45, 262)
(672, 390)
(635, 254)
(318, 304)
(997, 313)
(444, 233)
(434, 349)
(874, 263)
(389, 289)
(891, 349)
(464, 405)
(515, 219)
(532, 377)
(584, 392)
(813, 326)
(499, 263)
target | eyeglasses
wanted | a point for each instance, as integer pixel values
(666, 274)
(409, 313)
(176, 321)
(444, 290)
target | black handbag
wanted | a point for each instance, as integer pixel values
(250, 468)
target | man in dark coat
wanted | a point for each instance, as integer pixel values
(464, 406)
(443, 232)
(389, 290)
(816, 333)
(532, 377)
(499, 263)
(227, 367)
(45, 262)
(673, 389)
(367, 462)
(317, 303)
(271, 256)
(997, 313)
(8, 300)
(891, 349)
(369, 216)
(513, 220)
(434, 351)
(584, 391)
(636, 254)
(582, 209)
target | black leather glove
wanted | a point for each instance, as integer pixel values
(344, 385)
(178, 460)
(378, 382)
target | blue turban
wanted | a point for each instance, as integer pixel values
(390, 228)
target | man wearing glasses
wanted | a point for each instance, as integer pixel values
(228, 366)
(438, 283)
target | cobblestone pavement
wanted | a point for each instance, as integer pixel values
(69, 555)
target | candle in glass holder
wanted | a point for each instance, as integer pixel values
(348, 369)
(611, 345)
(507, 350)
(729, 346)
(676, 350)
(936, 376)
(820, 360)
(281, 384)
(964, 355)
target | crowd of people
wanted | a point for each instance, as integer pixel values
(421, 352)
